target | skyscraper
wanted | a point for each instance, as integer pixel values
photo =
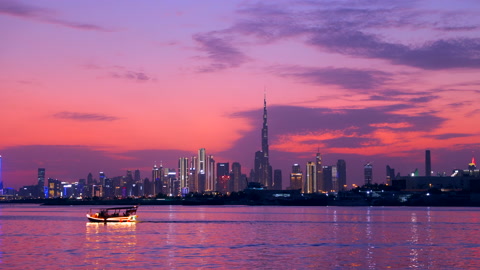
(236, 177)
(390, 175)
(41, 182)
(319, 174)
(368, 173)
(327, 178)
(296, 177)
(183, 172)
(342, 174)
(210, 176)
(193, 175)
(262, 163)
(156, 178)
(310, 185)
(428, 164)
(223, 176)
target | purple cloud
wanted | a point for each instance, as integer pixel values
(355, 124)
(344, 77)
(407, 97)
(451, 135)
(18, 9)
(132, 75)
(84, 116)
(356, 30)
(220, 52)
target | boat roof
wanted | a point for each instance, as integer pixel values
(117, 208)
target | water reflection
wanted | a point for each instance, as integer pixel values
(244, 237)
(110, 243)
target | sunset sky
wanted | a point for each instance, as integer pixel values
(90, 86)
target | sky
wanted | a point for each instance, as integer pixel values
(90, 86)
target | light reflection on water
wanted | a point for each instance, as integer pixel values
(179, 237)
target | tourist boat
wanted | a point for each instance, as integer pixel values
(114, 214)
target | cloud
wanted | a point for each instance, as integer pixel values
(18, 9)
(446, 136)
(344, 77)
(330, 127)
(84, 116)
(359, 31)
(220, 52)
(434, 55)
(131, 75)
(407, 97)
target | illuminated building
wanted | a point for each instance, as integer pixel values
(310, 184)
(342, 175)
(41, 182)
(327, 178)
(296, 177)
(210, 174)
(223, 177)
(390, 175)
(183, 172)
(334, 186)
(101, 177)
(205, 170)
(263, 169)
(54, 188)
(428, 164)
(155, 178)
(193, 176)
(319, 173)
(368, 173)
(236, 178)
(472, 166)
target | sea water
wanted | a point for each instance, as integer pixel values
(242, 237)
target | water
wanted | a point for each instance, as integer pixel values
(242, 237)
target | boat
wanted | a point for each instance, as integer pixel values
(114, 214)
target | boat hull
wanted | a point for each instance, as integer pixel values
(132, 218)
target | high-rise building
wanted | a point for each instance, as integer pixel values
(193, 175)
(210, 176)
(319, 174)
(223, 176)
(335, 186)
(236, 177)
(137, 177)
(90, 179)
(428, 164)
(296, 177)
(327, 178)
(156, 178)
(390, 175)
(202, 167)
(101, 177)
(310, 184)
(183, 172)
(262, 164)
(41, 182)
(368, 173)
(342, 175)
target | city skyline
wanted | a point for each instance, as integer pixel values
(90, 87)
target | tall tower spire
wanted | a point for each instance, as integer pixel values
(265, 128)
(262, 168)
